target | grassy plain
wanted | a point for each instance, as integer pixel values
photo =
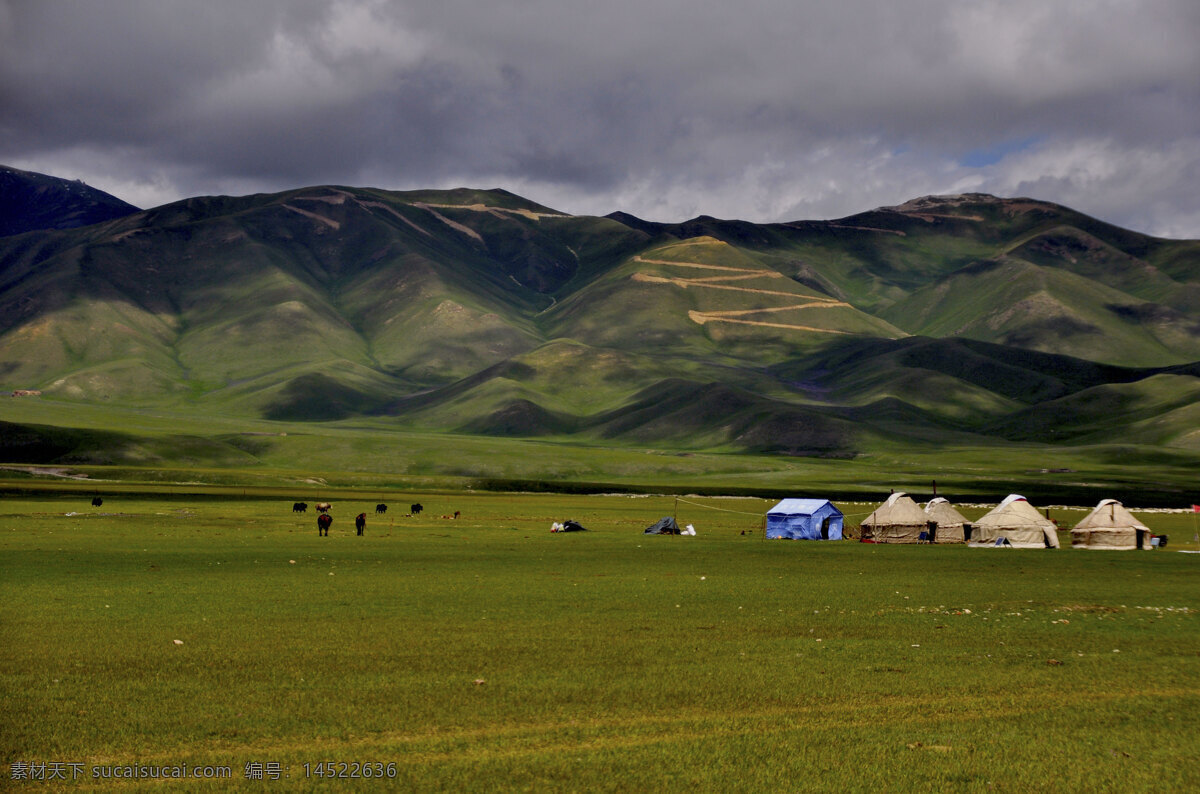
(488, 653)
(114, 445)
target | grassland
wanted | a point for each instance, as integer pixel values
(113, 446)
(488, 653)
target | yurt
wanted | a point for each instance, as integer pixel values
(898, 520)
(1017, 524)
(951, 525)
(1110, 526)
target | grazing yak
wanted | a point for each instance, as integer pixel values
(416, 509)
(380, 508)
(360, 522)
(97, 501)
(323, 522)
(323, 507)
(300, 507)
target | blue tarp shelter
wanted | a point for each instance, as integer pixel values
(805, 519)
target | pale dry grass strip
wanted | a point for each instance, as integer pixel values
(741, 312)
(685, 283)
(467, 230)
(525, 213)
(386, 208)
(762, 272)
(719, 279)
(700, 319)
(531, 738)
(314, 216)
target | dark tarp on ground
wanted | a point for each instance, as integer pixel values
(665, 526)
(571, 526)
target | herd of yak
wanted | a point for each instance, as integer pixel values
(360, 521)
(324, 519)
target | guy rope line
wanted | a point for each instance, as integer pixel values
(722, 509)
(744, 513)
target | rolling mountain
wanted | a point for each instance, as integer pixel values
(31, 201)
(966, 320)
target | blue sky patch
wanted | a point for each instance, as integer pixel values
(990, 155)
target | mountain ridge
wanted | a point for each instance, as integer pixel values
(30, 201)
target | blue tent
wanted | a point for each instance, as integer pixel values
(805, 519)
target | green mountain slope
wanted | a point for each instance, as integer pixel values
(968, 321)
(1016, 271)
(1018, 303)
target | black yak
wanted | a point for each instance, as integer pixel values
(380, 508)
(360, 522)
(299, 507)
(416, 509)
(97, 501)
(323, 522)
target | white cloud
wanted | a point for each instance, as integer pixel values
(1150, 187)
(765, 109)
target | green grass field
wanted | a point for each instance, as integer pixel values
(486, 653)
(116, 446)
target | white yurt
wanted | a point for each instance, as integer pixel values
(1110, 526)
(1017, 524)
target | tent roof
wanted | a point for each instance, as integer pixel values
(664, 526)
(1110, 514)
(1008, 500)
(941, 511)
(898, 509)
(1015, 511)
(801, 507)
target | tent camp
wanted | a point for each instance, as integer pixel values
(805, 519)
(952, 526)
(1110, 526)
(1016, 523)
(898, 520)
(665, 526)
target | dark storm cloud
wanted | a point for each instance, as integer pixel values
(763, 109)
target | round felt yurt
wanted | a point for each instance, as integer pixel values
(1110, 526)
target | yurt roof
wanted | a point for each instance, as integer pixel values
(898, 509)
(1110, 514)
(943, 512)
(1015, 511)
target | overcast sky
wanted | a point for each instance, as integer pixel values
(757, 109)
